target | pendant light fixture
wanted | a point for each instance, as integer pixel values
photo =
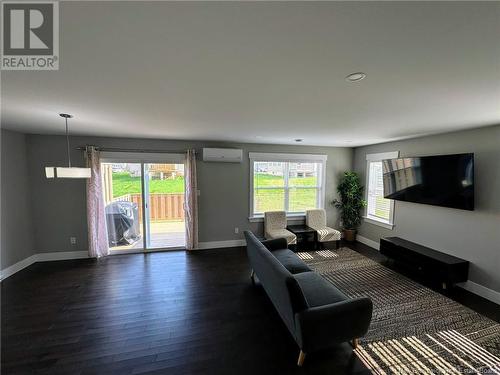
(69, 171)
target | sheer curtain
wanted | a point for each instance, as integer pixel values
(96, 221)
(191, 201)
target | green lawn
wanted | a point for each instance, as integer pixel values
(263, 180)
(123, 184)
(273, 199)
(265, 199)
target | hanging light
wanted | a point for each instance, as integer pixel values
(69, 171)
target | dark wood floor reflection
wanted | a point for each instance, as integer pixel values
(164, 313)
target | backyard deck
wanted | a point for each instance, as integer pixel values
(164, 234)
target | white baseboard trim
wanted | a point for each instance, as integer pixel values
(368, 242)
(482, 291)
(41, 257)
(220, 244)
(16, 267)
(63, 255)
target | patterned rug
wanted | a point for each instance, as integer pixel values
(414, 330)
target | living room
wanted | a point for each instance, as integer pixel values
(192, 182)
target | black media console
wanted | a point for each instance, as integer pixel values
(443, 267)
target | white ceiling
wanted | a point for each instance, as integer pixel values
(265, 72)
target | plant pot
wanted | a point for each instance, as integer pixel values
(350, 235)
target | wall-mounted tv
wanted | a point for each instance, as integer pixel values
(441, 180)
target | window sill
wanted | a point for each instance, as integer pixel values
(291, 217)
(380, 223)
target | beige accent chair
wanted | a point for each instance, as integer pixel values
(316, 219)
(275, 227)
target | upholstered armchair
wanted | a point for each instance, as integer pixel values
(316, 219)
(275, 227)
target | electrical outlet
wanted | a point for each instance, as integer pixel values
(72, 240)
(236, 230)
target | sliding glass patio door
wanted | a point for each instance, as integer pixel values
(123, 192)
(164, 192)
(144, 204)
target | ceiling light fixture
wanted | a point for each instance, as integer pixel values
(69, 171)
(355, 77)
(299, 140)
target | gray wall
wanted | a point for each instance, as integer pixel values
(59, 209)
(17, 234)
(475, 235)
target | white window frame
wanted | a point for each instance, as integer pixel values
(373, 219)
(285, 158)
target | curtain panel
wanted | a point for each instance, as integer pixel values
(96, 220)
(191, 201)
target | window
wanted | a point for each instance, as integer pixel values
(286, 182)
(379, 210)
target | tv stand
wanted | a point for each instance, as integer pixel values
(447, 269)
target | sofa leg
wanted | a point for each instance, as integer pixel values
(355, 343)
(302, 356)
(337, 245)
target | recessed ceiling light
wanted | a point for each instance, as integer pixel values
(355, 77)
(299, 140)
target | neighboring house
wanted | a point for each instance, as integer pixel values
(302, 170)
(133, 169)
(164, 171)
(118, 167)
(295, 169)
(156, 171)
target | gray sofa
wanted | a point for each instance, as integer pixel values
(316, 313)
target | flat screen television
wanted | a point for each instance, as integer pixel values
(441, 180)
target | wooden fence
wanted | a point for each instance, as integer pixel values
(161, 206)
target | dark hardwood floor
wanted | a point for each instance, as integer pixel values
(164, 313)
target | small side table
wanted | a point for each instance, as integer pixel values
(305, 235)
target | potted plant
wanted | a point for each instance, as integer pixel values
(350, 204)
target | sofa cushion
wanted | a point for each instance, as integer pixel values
(275, 244)
(317, 291)
(291, 261)
(277, 281)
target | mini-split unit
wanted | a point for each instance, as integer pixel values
(223, 155)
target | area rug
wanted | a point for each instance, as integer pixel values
(414, 330)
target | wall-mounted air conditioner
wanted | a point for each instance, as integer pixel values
(225, 155)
